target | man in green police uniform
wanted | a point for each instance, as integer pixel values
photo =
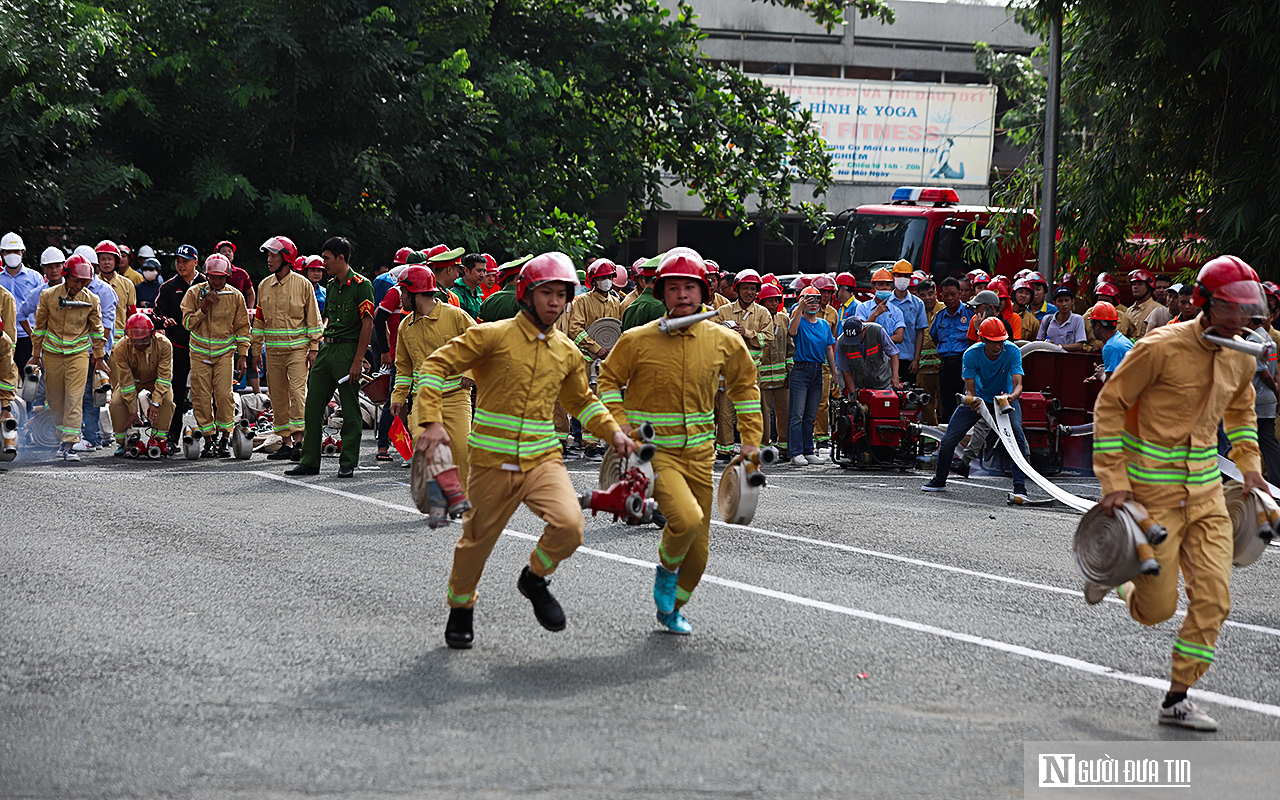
(645, 308)
(349, 306)
(502, 303)
(467, 286)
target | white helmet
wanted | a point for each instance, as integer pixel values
(12, 241)
(146, 252)
(52, 255)
(396, 270)
(88, 253)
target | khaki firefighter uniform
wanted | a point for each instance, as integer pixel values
(1155, 434)
(418, 338)
(63, 338)
(586, 309)
(287, 323)
(9, 314)
(126, 299)
(929, 374)
(631, 297)
(1138, 313)
(8, 370)
(515, 454)
(216, 338)
(136, 370)
(775, 393)
(671, 382)
(757, 331)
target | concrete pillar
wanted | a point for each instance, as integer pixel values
(668, 222)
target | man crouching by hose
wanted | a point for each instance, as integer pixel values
(1154, 441)
(991, 368)
(672, 379)
(520, 366)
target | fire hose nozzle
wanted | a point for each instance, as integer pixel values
(769, 455)
(644, 432)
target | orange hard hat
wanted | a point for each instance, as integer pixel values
(1103, 311)
(992, 330)
(810, 291)
(881, 275)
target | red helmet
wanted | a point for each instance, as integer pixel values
(1103, 311)
(139, 324)
(490, 263)
(441, 256)
(280, 244)
(1143, 276)
(1022, 283)
(620, 277)
(1105, 277)
(978, 276)
(546, 268)
(402, 255)
(1271, 289)
(915, 281)
(823, 284)
(217, 264)
(769, 290)
(1229, 278)
(225, 243)
(1069, 280)
(1106, 290)
(107, 246)
(999, 288)
(809, 291)
(1022, 273)
(310, 262)
(601, 268)
(846, 279)
(1035, 277)
(769, 277)
(713, 267)
(683, 265)
(992, 329)
(635, 265)
(418, 279)
(77, 266)
(747, 276)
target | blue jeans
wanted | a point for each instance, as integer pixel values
(90, 430)
(806, 391)
(961, 422)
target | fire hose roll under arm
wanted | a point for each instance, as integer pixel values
(1254, 516)
(1110, 550)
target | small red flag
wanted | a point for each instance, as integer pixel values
(399, 436)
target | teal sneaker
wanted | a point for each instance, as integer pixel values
(664, 590)
(119, 453)
(675, 623)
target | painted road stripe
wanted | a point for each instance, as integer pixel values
(992, 644)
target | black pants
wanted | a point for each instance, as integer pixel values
(22, 352)
(949, 385)
(1270, 447)
(181, 402)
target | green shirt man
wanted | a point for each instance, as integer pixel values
(644, 309)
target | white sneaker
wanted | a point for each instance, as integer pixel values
(799, 461)
(813, 459)
(83, 447)
(1187, 714)
(69, 454)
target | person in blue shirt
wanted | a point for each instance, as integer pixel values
(90, 430)
(22, 282)
(882, 312)
(992, 368)
(950, 332)
(815, 346)
(914, 320)
(1104, 318)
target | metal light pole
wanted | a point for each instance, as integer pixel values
(1049, 185)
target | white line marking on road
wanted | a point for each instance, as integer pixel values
(992, 644)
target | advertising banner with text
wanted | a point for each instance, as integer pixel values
(900, 133)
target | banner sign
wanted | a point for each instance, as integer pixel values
(900, 133)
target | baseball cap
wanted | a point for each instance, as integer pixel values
(187, 251)
(986, 297)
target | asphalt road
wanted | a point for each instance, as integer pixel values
(213, 629)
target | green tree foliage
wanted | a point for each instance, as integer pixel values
(491, 124)
(1169, 113)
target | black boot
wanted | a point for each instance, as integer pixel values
(224, 447)
(549, 613)
(210, 447)
(457, 631)
(283, 454)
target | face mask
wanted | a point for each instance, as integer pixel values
(12, 260)
(901, 283)
(605, 285)
(149, 274)
(884, 294)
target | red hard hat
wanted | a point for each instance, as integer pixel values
(1228, 278)
(490, 263)
(1271, 289)
(441, 256)
(767, 291)
(418, 279)
(823, 283)
(992, 329)
(846, 279)
(280, 244)
(747, 276)
(1035, 277)
(228, 243)
(402, 255)
(1105, 277)
(217, 264)
(1103, 311)
(683, 265)
(1070, 281)
(620, 276)
(107, 246)
(713, 267)
(768, 277)
(999, 288)
(546, 268)
(139, 324)
(1107, 290)
(978, 276)
(601, 268)
(1144, 276)
(304, 264)
(78, 267)
(635, 265)
(809, 291)
(915, 281)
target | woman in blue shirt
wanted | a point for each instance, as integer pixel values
(815, 346)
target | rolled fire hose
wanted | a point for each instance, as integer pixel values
(42, 430)
(242, 440)
(1040, 347)
(740, 486)
(1110, 550)
(1228, 467)
(612, 468)
(1254, 516)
